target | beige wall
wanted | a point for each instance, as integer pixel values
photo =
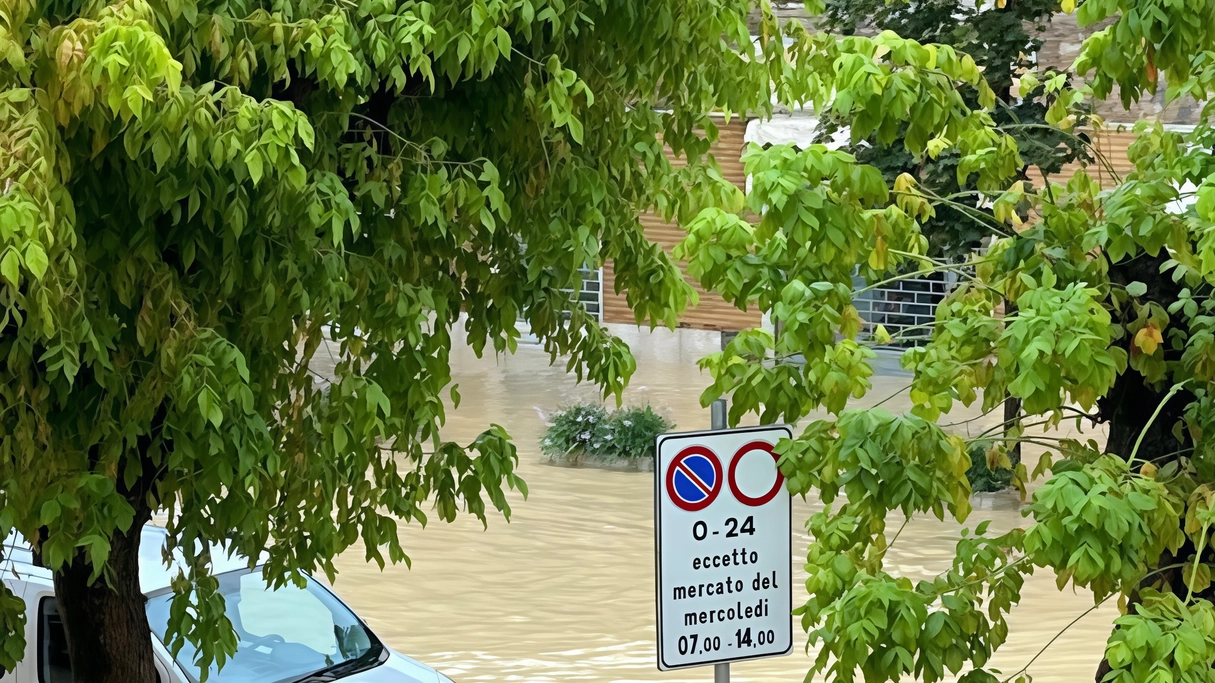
(1110, 168)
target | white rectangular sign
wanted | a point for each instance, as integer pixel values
(724, 548)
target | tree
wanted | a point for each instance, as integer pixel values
(1114, 324)
(1002, 38)
(198, 196)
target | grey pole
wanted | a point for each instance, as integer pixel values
(718, 412)
(721, 672)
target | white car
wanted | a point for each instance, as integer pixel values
(288, 635)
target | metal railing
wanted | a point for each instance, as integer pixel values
(906, 308)
(591, 294)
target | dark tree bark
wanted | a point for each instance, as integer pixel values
(107, 630)
(1129, 406)
(1012, 404)
(1127, 409)
(1012, 411)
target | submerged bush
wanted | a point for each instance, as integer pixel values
(588, 430)
(575, 430)
(984, 479)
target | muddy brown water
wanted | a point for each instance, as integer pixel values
(565, 590)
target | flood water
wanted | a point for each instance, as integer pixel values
(565, 590)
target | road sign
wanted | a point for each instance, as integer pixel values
(724, 548)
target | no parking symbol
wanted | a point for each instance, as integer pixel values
(694, 478)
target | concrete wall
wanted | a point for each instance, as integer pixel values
(1061, 45)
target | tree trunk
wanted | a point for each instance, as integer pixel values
(1130, 404)
(107, 630)
(1012, 411)
(1128, 408)
(1012, 404)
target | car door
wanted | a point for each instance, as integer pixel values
(47, 659)
(33, 585)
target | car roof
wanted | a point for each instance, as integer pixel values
(154, 575)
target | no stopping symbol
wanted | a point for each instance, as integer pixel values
(761, 449)
(694, 478)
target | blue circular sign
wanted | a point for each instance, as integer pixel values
(694, 478)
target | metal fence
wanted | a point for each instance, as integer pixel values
(591, 294)
(906, 308)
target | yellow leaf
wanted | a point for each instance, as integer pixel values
(880, 335)
(877, 257)
(904, 182)
(997, 458)
(850, 323)
(1068, 6)
(1148, 339)
(1148, 470)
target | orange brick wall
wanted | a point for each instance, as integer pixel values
(713, 312)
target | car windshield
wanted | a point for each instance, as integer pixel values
(284, 634)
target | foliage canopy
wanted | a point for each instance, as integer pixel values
(199, 197)
(1001, 37)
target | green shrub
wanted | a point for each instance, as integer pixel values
(589, 431)
(574, 430)
(632, 432)
(982, 478)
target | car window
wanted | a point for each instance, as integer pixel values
(293, 613)
(54, 666)
(54, 662)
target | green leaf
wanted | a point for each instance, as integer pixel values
(1136, 288)
(50, 512)
(208, 405)
(10, 267)
(35, 260)
(253, 161)
(304, 130)
(575, 127)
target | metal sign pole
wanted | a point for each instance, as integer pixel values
(718, 412)
(721, 672)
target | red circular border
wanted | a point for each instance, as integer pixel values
(780, 478)
(713, 460)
